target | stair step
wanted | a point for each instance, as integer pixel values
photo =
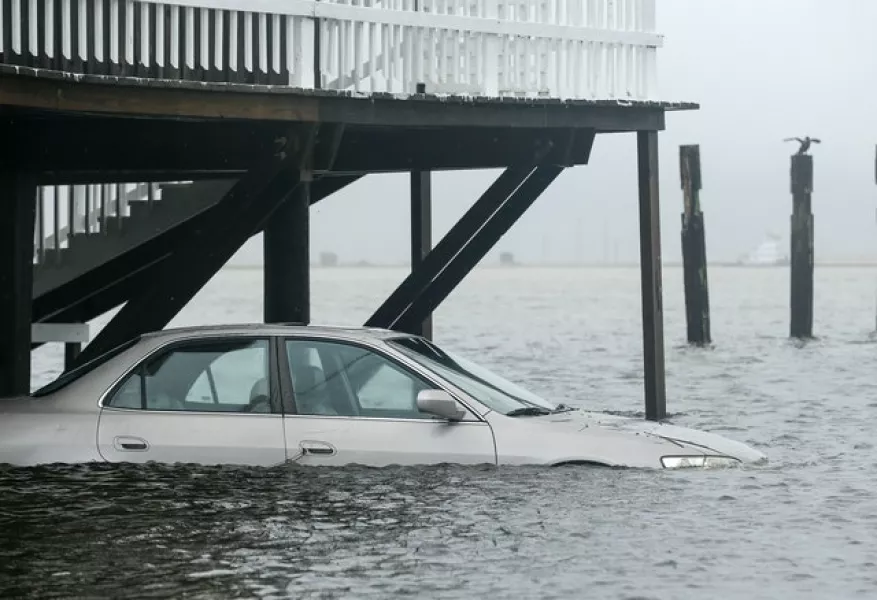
(116, 236)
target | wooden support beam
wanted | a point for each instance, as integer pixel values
(697, 307)
(286, 245)
(476, 248)
(243, 211)
(438, 258)
(100, 150)
(801, 301)
(650, 271)
(18, 199)
(421, 231)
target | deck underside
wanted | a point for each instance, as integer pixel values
(69, 129)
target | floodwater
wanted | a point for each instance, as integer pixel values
(802, 526)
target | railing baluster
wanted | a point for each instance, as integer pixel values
(41, 225)
(56, 225)
(119, 215)
(72, 210)
(102, 193)
(357, 56)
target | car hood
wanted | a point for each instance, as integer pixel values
(583, 419)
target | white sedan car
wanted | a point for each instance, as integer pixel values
(271, 394)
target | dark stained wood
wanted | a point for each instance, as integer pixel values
(453, 273)
(697, 308)
(18, 195)
(112, 95)
(801, 289)
(421, 231)
(100, 150)
(449, 246)
(650, 270)
(287, 288)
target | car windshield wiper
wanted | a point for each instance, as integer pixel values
(563, 408)
(528, 411)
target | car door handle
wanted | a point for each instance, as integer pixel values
(125, 443)
(317, 448)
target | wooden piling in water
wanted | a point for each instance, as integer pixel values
(697, 306)
(801, 322)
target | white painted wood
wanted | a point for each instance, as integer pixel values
(303, 66)
(276, 44)
(82, 33)
(327, 9)
(60, 332)
(292, 50)
(129, 32)
(33, 29)
(557, 48)
(159, 39)
(357, 56)
(49, 11)
(190, 38)
(114, 31)
(263, 43)
(248, 41)
(233, 41)
(144, 34)
(221, 39)
(204, 62)
(98, 10)
(174, 58)
(15, 26)
(66, 23)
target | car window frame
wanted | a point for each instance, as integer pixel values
(275, 396)
(415, 371)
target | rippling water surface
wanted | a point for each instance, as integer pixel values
(805, 525)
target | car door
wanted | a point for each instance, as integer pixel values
(207, 401)
(356, 405)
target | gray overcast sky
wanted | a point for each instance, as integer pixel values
(762, 70)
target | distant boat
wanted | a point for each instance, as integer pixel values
(768, 253)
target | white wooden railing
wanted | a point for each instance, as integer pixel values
(62, 211)
(603, 49)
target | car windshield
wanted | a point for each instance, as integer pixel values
(487, 387)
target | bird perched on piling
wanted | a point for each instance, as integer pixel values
(805, 143)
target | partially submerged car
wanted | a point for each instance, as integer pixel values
(271, 394)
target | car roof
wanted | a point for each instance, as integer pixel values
(335, 331)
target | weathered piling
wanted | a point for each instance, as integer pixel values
(801, 322)
(697, 306)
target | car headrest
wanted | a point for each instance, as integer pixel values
(260, 388)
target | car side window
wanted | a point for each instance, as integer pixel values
(215, 376)
(331, 378)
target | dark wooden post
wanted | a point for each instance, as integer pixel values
(801, 323)
(71, 352)
(287, 260)
(421, 229)
(650, 269)
(17, 197)
(697, 305)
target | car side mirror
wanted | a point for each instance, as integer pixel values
(441, 404)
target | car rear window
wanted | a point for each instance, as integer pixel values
(72, 375)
